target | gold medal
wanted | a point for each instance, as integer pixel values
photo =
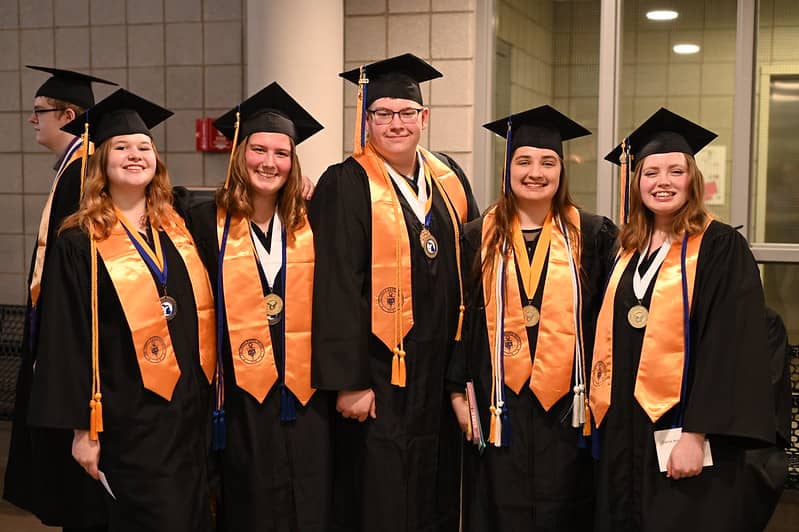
(429, 243)
(531, 315)
(169, 306)
(637, 316)
(274, 305)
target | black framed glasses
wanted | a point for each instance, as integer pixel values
(38, 112)
(382, 117)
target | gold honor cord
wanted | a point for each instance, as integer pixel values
(531, 274)
(232, 150)
(95, 403)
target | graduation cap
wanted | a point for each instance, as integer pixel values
(122, 113)
(395, 77)
(663, 132)
(540, 127)
(270, 110)
(68, 86)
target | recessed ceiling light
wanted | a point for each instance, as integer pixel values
(661, 14)
(685, 49)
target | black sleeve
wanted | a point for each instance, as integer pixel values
(62, 376)
(729, 390)
(66, 198)
(340, 216)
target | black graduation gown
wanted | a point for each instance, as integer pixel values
(729, 397)
(276, 475)
(152, 451)
(398, 472)
(542, 481)
(41, 475)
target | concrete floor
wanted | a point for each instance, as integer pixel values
(12, 519)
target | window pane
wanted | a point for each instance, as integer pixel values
(699, 86)
(547, 52)
(776, 157)
(781, 284)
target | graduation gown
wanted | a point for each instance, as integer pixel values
(152, 451)
(41, 475)
(276, 475)
(729, 397)
(398, 472)
(542, 481)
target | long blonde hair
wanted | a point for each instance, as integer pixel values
(691, 217)
(236, 199)
(96, 215)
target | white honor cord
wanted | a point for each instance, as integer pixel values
(271, 261)
(499, 373)
(578, 411)
(417, 202)
(641, 284)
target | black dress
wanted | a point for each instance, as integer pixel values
(152, 451)
(400, 471)
(543, 481)
(729, 398)
(41, 475)
(276, 475)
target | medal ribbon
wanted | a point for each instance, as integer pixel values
(658, 385)
(245, 310)
(422, 200)
(154, 260)
(270, 261)
(531, 274)
(641, 284)
(73, 153)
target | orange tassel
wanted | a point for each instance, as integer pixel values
(398, 368)
(357, 147)
(85, 156)
(232, 150)
(96, 417)
(587, 424)
(492, 430)
(458, 332)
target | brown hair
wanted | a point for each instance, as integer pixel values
(236, 200)
(691, 217)
(505, 215)
(96, 214)
(77, 109)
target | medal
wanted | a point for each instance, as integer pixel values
(169, 306)
(274, 304)
(531, 315)
(429, 243)
(637, 316)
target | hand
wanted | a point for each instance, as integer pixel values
(87, 453)
(307, 187)
(687, 456)
(461, 409)
(357, 404)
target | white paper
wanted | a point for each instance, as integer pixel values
(104, 482)
(666, 439)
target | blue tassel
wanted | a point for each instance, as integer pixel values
(505, 428)
(288, 405)
(218, 430)
(595, 447)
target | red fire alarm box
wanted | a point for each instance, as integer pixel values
(208, 138)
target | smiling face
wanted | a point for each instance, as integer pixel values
(396, 140)
(664, 184)
(534, 175)
(267, 159)
(131, 163)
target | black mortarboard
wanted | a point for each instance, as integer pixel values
(396, 77)
(540, 127)
(663, 132)
(122, 113)
(270, 110)
(68, 86)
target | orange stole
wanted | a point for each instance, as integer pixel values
(141, 305)
(44, 227)
(658, 382)
(550, 375)
(245, 309)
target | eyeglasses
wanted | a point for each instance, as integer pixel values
(38, 112)
(382, 117)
